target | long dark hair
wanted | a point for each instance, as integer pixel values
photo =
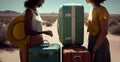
(31, 3)
(97, 2)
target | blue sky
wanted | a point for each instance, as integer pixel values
(50, 6)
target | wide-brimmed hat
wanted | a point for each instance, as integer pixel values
(15, 32)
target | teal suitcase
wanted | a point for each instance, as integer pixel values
(71, 24)
(45, 53)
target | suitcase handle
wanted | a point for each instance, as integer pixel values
(45, 41)
(45, 44)
(77, 57)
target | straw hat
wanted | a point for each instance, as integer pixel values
(15, 32)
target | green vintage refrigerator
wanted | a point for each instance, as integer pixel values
(71, 24)
(45, 53)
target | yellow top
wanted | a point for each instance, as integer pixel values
(95, 16)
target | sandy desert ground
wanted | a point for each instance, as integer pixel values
(13, 56)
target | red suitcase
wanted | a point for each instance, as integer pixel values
(76, 54)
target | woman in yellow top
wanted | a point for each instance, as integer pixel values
(33, 27)
(97, 24)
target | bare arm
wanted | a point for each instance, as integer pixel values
(86, 21)
(104, 28)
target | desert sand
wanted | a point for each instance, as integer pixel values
(13, 56)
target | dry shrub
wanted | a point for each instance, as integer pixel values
(114, 26)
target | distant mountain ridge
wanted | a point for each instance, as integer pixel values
(9, 13)
(15, 13)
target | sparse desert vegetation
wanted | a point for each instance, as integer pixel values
(48, 20)
(114, 24)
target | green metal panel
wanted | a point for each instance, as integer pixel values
(45, 53)
(65, 24)
(79, 24)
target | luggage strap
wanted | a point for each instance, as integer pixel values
(73, 24)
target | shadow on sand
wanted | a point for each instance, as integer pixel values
(7, 47)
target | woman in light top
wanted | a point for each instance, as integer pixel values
(33, 27)
(97, 26)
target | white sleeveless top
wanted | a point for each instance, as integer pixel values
(36, 22)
